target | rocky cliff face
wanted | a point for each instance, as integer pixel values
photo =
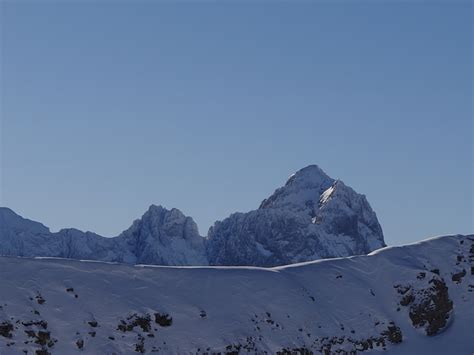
(313, 216)
(165, 238)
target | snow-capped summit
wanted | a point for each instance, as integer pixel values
(312, 216)
(301, 191)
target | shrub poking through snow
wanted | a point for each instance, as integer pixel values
(164, 320)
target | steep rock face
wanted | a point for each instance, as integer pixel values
(166, 238)
(313, 216)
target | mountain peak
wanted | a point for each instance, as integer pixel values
(310, 173)
(8, 213)
(155, 209)
(312, 216)
(10, 219)
(305, 185)
(158, 216)
(165, 237)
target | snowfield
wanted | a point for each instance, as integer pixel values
(414, 299)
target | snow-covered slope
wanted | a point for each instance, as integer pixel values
(312, 217)
(415, 299)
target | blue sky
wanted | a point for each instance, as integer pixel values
(109, 107)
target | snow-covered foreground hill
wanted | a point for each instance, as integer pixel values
(415, 299)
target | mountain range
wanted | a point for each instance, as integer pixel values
(311, 217)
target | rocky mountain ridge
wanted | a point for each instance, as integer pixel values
(312, 216)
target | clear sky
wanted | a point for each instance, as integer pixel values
(108, 107)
